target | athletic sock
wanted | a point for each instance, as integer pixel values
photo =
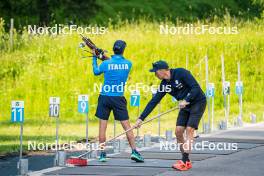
(185, 157)
(134, 150)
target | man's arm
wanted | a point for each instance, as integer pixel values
(152, 104)
(97, 70)
(190, 81)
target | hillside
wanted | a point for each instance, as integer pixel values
(44, 66)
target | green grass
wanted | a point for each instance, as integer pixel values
(44, 66)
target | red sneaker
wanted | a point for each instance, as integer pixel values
(188, 164)
(180, 165)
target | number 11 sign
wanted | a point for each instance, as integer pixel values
(17, 114)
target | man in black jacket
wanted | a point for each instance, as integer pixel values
(180, 84)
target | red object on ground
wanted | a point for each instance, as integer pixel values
(180, 166)
(77, 161)
(188, 164)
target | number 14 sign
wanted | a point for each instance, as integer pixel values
(17, 114)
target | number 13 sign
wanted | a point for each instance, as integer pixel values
(54, 107)
(17, 114)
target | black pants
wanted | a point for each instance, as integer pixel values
(191, 115)
(108, 103)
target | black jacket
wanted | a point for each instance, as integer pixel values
(182, 86)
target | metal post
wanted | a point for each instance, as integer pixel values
(115, 134)
(56, 162)
(200, 68)
(147, 140)
(154, 91)
(159, 111)
(21, 149)
(212, 114)
(122, 145)
(208, 98)
(241, 108)
(57, 133)
(21, 140)
(240, 96)
(87, 128)
(23, 163)
(23, 167)
(228, 110)
(168, 135)
(114, 128)
(11, 33)
(187, 61)
(138, 114)
(61, 158)
(223, 81)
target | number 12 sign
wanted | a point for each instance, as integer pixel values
(83, 104)
(226, 88)
(17, 114)
(54, 107)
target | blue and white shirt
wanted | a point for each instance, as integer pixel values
(116, 71)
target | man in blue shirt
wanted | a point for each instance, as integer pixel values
(180, 84)
(111, 98)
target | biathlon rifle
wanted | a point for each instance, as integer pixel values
(100, 53)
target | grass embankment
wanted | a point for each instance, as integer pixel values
(44, 66)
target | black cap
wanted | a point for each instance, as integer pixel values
(119, 46)
(159, 65)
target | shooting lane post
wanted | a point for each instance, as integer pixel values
(206, 126)
(83, 108)
(54, 111)
(135, 102)
(210, 93)
(226, 92)
(154, 92)
(239, 92)
(17, 116)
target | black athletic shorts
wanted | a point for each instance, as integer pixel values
(108, 103)
(191, 115)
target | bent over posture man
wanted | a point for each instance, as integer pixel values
(111, 97)
(182, 85)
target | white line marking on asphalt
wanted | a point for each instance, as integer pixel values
(42, 172)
